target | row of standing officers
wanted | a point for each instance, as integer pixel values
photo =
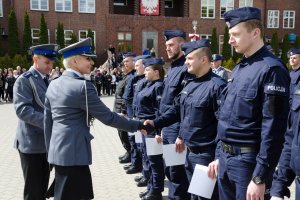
(237, 128)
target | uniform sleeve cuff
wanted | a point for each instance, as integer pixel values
(260, 171)
(279, 190)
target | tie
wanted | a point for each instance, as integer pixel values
(46, 81)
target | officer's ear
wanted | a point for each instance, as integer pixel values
(35, 58)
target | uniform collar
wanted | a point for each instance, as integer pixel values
(204, 77)
(37, 72)
(179, 62)
(149, 83)
(253, 56)
(74, 71)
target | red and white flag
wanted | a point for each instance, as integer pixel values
(149, 7)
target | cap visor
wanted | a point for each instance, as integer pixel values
(89, 55)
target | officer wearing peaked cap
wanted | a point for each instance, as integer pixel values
(253, 112)
(173, 84)
(29, 95)
(294, 59)
(196, 108)
(67, 119)
(217, 68)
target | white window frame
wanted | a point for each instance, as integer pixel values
(221, 42)
(66, 38)
(37, 38)
(227, 6)
(209, 5)
(121, 4)
(39, 5)
(86, 32)
(1, 8)
(289, 19)
(205, 36)
(87, 10)
(273, 18)
(64, 6)
(171, 2)
(246, 3)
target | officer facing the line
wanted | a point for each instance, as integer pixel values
(29, 95)
(68, 116)
(217, 66)
(253, 112)
(294, 55)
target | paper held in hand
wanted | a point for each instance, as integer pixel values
(201, 184)
(172, 157)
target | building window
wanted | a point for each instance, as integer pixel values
(87, 6)
(168, 3)
(208, 8)
(221, 42)
(35, 35)
(288, 19)
(1, 9)
(39, 5)
(226, 5)
(124, 42)
(205, 36)
(120, 2)
(273, 18)
(63, 5)
(246, 3)
(83, 34)
(68, 37)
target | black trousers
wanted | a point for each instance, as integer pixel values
(124, 140)
(36, 175)
(73, 183)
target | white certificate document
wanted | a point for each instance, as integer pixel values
(201, 184)
(152, 147)
(172, 157)
(138, 137)
(131, 133)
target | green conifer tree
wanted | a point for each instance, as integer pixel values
(214, 42)
(296, 43)
(60, 35)
(286, 46)
(275, 44)
(13, 36)
(226, 47)
(43, 31)
(91, 35)
(73, 38)
(27, 39)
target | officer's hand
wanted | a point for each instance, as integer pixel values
(149, 122)
(255, 192)
(276, 198)
(145, 128)
(158, 139)
(179, 145)
(212, 171)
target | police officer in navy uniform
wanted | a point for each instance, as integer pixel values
(142, 180)
(147, 103)
(173, 84)
(294, 58)
(217, 68)
(29, 96)
(196, 108)
(289, 163)
(68, 116)
(136, 158)
(253, 112)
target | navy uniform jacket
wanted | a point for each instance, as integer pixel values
(173, 84)
(119, 104)
(255, 108)
(67, 134)
(30, 130)
(148, 99)
(295, 78)
(289, 163)
(196, 109)
(129, 88)
(138, 87)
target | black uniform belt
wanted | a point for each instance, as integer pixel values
(197, 150)
(238, 149)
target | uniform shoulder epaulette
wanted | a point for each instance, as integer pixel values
(27, 74)
(218, 80)
(271, 62)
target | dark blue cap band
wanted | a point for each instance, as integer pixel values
(77, 51)
(44, 52)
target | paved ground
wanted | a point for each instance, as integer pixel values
(109, 179)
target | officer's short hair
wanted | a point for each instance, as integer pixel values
(205, 51)
(255, 23)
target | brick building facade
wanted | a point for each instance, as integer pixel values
(118, 22)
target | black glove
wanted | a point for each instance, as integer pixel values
(148, 128)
